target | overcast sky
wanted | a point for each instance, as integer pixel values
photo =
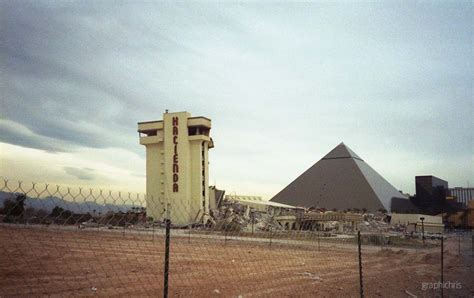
(283, 84)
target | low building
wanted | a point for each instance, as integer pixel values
(462, 219)
(462, 195)
(413, 222)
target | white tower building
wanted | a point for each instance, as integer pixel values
(177, 166)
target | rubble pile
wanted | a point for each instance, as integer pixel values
(375, 223)
(234, 216)
(237, 216)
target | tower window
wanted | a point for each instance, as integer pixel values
(192, 131)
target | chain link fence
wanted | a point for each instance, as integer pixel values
(60, 241)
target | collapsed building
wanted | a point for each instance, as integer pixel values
(251, 213)
(325, 221)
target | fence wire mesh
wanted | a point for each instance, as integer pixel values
(62, 241)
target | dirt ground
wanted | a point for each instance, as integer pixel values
(52, 261)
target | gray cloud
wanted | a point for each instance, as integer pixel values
(13, 133)
(58, 82)
(12, 137)
(80, 173)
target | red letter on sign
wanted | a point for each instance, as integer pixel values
(175, 187)
(175, 177)
(175, 140)
(175, 130)
(175, 120)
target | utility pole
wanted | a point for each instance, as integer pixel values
(422, 229)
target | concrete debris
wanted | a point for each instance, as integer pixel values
(234, 216)
(375, 223)
(208, 220)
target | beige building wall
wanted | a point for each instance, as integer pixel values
(154, 179)
(177, 166)
(405, 219)
(431, 223)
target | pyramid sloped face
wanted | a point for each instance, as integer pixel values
(341, 180)
(382, 188)
(341, 151)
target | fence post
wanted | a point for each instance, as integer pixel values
(381, 241)
(252, 219)
(271, 235)
(360, 265)
(167, 257)
(167, 251)
(442, 264)
(189, 234)
(459, 245)
(319, 244)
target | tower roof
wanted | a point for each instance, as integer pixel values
(340, 180)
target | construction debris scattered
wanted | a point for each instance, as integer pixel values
(251, 214)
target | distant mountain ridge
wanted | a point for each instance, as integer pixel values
(48, 204)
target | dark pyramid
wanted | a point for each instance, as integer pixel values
(340, 180)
